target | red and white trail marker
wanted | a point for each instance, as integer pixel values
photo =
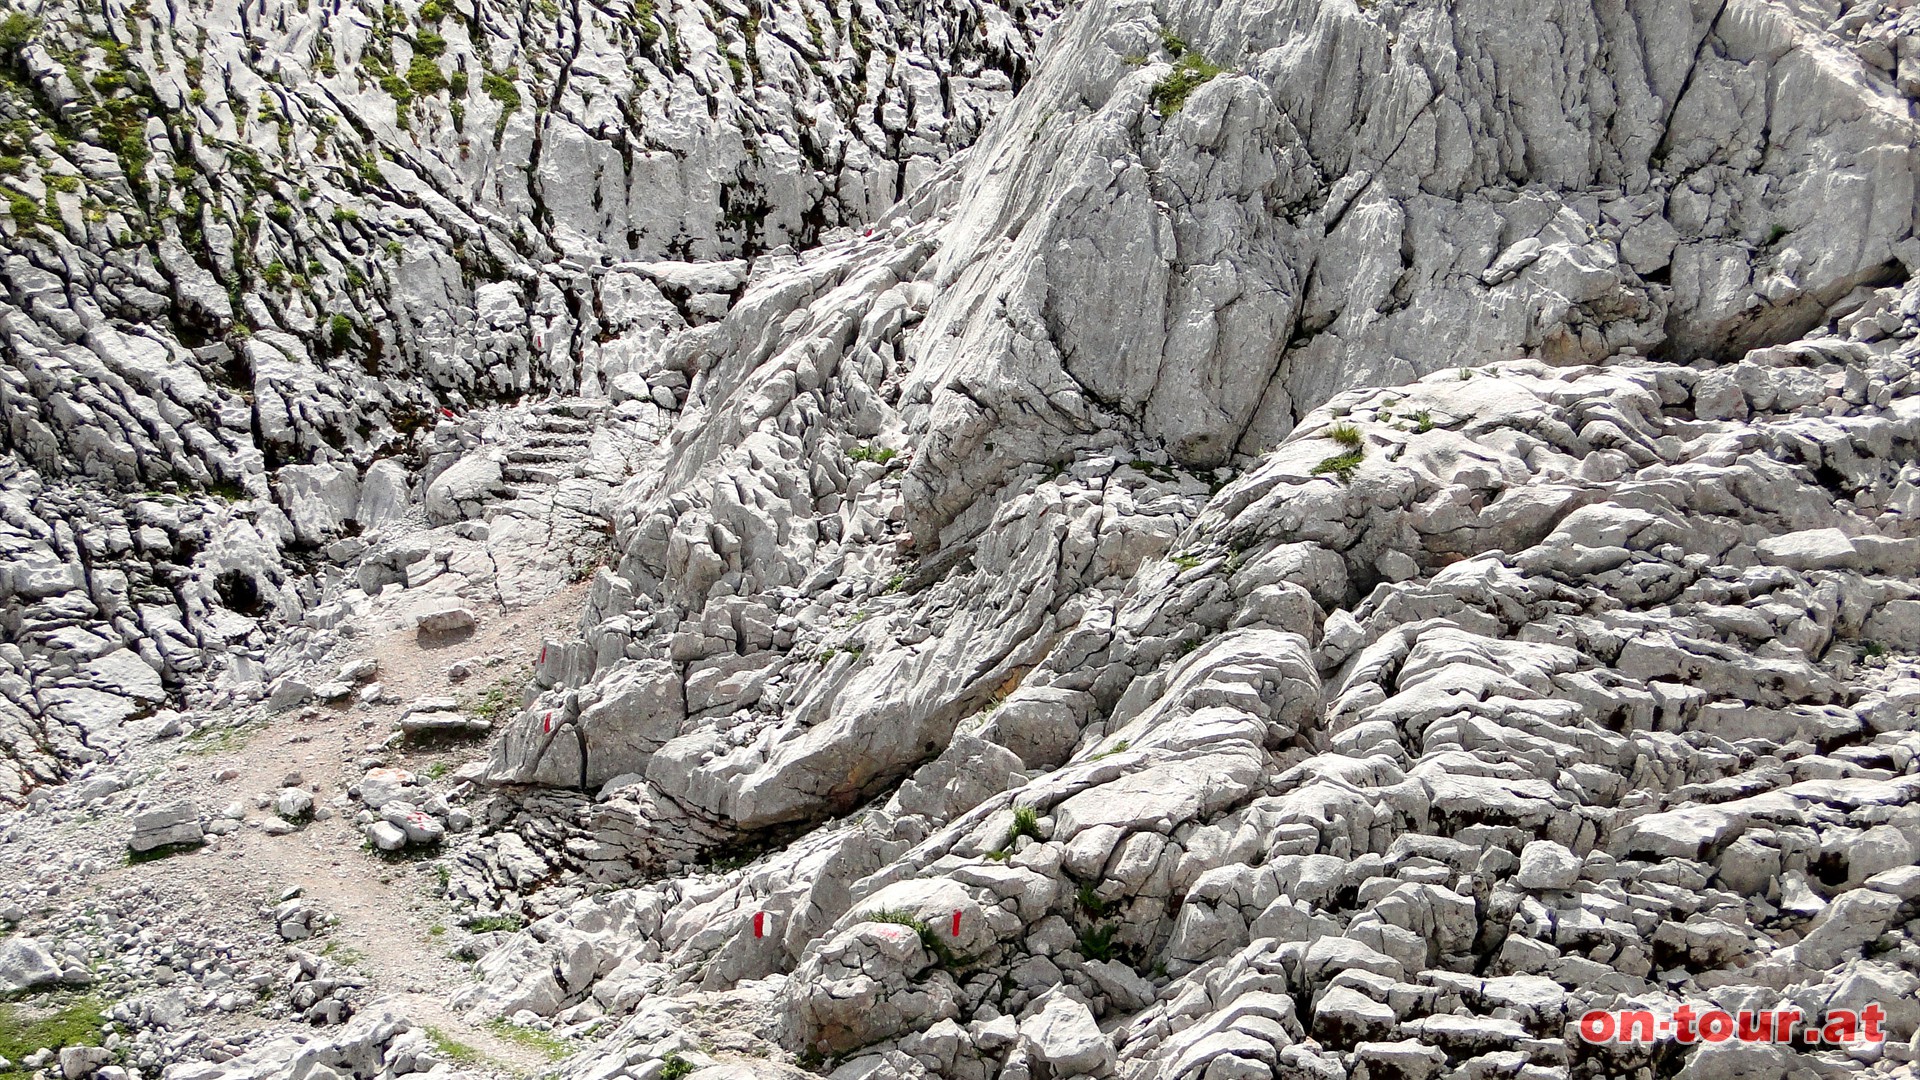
(546, 726)
(762, 924)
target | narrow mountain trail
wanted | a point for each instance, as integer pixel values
(389, 928)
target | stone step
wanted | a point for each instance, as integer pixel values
(570, 410)
(518, 472)
(575, 440)
(543, 454)
(523, 508)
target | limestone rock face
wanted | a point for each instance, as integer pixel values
(1375, 198)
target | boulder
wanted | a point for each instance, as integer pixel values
(1063, 1034)
(1545, 865)
(24, 965)
(166, 827)
(462, 491)
(865, 984)
(443, 617)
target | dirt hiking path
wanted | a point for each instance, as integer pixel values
(391, 928)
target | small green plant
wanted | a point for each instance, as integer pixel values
(1026, 822)
(496, 700)
(675, 1067)
(900, 917)
(436, 930)
(1190, 72)
(1346, 435)
(343, 214)
(424, 76)
(340, 332)
(1185, 562)
(1087, 896)
(1096, 942)
(436, 770)
(450, 1048)
(17, 31)
(396, 88)
(1341, 466)
(487, 924)
(1872, 649)
(1423, 421)
(1116, 748)
(26, 212)
(879, 455)
(894, 583)
(1776, 234)
(501, 89)
(1465, 374)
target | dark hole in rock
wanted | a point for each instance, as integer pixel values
(239, 592)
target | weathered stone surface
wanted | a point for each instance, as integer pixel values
(166, 826)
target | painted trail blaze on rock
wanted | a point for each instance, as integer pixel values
(956, 924)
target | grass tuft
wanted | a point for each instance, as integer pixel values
(1341, 466)
(1026, 822)
(879, 455)
(897, 917)
(487, 924)
(1347, 435)
(1096, 942)
(1189, 73)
